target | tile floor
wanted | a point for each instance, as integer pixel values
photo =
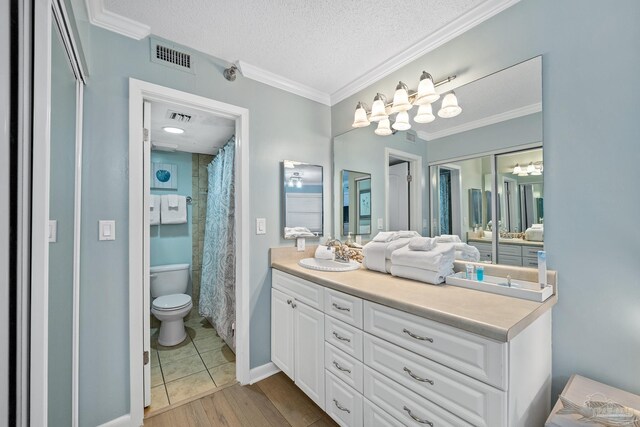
(202, 362)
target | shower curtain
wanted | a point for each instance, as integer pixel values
(217, 286)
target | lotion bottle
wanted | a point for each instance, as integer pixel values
(542, 269)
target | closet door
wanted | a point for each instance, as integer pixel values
(309, 351)
(282, 339)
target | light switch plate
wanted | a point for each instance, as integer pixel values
(53, 230)
(106, 230)
(380, 223)
(261, 226)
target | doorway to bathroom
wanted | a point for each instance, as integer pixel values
(403, 190)
(189, 197)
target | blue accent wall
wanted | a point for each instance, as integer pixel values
(172, 243)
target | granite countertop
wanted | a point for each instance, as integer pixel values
(493, 316)
(502, 241)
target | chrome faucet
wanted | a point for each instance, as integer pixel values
(341, 255)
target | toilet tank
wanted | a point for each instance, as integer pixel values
(169, 279)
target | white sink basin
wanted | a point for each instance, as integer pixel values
(328, 265)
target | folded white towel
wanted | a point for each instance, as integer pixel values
(422, 243)
(426, 276)
(173, 215)
(325, 252)
(154, 209)
(534, 234)
(376, 253)
(295, 232)
(537, 226)
(448, 238)
(469, 253)
(406, 234)
(438, 259)
(173, 200)
(385, 236)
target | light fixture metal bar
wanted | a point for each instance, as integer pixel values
(412, 93)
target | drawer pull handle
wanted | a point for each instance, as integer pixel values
(417, 378)
(418, 419)
(289, 301)
(418, 337)
(342, 408)
(293, 305)
(337, 365)
(335, 334)
(341, 308)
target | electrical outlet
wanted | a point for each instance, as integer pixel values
(380, 224)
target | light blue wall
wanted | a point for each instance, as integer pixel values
(281, 126)
(61, 208)
(171, 243)
(591, 226)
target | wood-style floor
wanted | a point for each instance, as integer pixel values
(274, 401)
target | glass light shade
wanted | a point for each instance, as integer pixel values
(426, 91)
(425, 114)
(402, 121)
(384, 128)
(171, 129)
(517, 169)
(536, 172)
(531, 168)
(360, 117)
(401, 99)
(290, 183)
(299, 183)
(378, 111)
(450, 107)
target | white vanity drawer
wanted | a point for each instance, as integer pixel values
(529, 262)
(343, 403)
(468, 398)
(506, 249)
(510, 260)
(345, 367)
(531, 251)
(345, 337)
(405, 405)
(302, 290)
(481, 246)
(343, 306)
(471, 354)
(376, 417)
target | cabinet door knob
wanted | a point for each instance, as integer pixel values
(289, 301)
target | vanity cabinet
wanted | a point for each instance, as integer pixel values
(297, 334)
(381, 366)
(509, 253)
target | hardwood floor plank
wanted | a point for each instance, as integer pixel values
(266, 407)
(247, 411)
(191, 415)
(325, 421)
(219, 411)
(293, 404)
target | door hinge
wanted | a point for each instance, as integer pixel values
(409, 178)
(145, 133)
(145, 358)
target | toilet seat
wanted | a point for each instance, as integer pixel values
(171, 302)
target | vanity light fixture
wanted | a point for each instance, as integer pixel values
(517, 169)
(403, 100)
(534, 169)
(171, 129)
(295, 180)
(531, 168)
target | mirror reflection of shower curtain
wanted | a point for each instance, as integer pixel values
(217, 288)
(445, 202)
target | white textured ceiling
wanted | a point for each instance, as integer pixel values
(204, 134)
(324, 44)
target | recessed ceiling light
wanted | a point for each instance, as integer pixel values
(170, 129)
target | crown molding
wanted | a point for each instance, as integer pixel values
(108, 20)
(436, 39)
(496, 118)
(267, 77)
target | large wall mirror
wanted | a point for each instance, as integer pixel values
(302, 199)
(472, 166)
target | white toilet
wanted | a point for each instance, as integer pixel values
(170, 303)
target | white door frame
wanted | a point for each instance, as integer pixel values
(138, 92)
(415, 187)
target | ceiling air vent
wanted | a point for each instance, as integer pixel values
(179, 117)
(171, 56)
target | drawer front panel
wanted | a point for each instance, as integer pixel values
(376, 417)
(343, 306)
(531, 251)
(479, 357)
(302, 290)
(405, 405)
(345, 367)
(510, 260)
(470, 399)
(345, 337)
(529, 262)
(481, 246)
(506, 249)
(343, 403)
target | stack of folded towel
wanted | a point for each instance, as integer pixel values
(377, 253)
(466, 252)
(535, 233)
(425, 259)
(154, 209)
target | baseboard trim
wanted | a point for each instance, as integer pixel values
(123, 421)
(261, 372)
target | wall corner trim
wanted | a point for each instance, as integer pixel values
(267, 77)
(123, 421)
(108, 20)
(261, 372)
(434, 40)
